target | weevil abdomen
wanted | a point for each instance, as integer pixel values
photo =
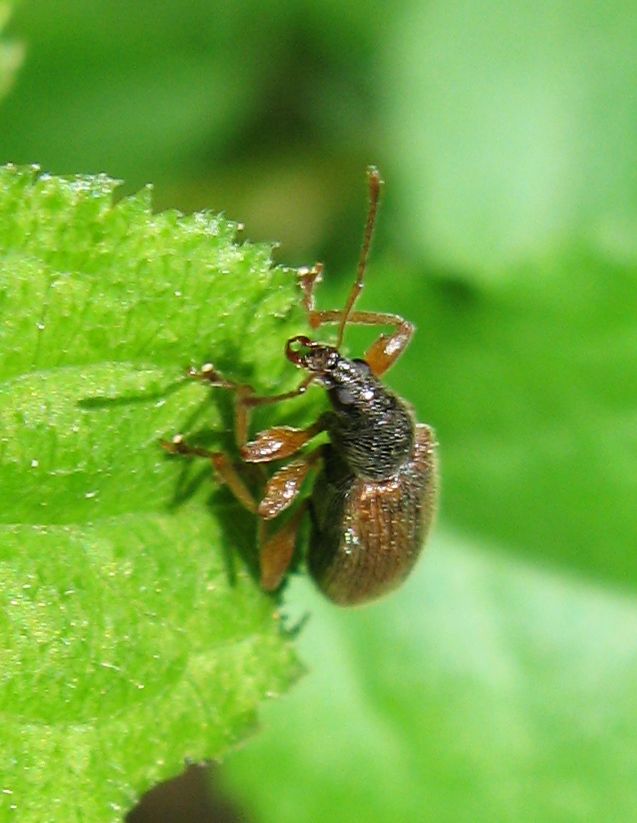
(366, 535)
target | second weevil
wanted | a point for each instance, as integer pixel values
(374, 497)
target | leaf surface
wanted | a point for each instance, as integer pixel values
(134, 636)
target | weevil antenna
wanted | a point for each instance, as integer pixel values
(375, 182)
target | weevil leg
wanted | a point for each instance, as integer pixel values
(262, 400)
(245, 398)
(387, 348)
(278, 549)
(281, 491)
(384, 351)
(309, 280)
(272, 444)
(280, 441)
(284, 486)
(223, 466)
(275, 551)
(241, 392)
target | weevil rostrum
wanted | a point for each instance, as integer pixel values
(374, 495)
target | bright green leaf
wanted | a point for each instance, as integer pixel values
(133, 635)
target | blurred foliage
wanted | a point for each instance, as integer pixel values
(517, 119)
(11, 52)
(195, 95)
(527, 379)
(497, 685)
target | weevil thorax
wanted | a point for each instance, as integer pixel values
(370, 428)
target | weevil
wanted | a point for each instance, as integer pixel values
(374, 495)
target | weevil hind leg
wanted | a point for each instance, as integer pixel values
(277, 550)
(282, 490)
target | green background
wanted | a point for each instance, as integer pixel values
(500, 683)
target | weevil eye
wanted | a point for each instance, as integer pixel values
(362, 365)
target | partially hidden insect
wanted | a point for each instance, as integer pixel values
(374, 496)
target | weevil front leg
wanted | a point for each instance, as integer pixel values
(241, 391)
(246, 400)
(275, 551)
(386, 349)
(271, 444)
(264, 448)
(384, 352)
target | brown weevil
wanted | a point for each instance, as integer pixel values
(374, 497)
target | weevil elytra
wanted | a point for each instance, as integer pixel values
(374, 496)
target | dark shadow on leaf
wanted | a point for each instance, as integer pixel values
(239, 538)
(130, 399)
(238, 526)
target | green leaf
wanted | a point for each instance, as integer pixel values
(133, 635)
(485, 690)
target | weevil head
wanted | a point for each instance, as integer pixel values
(317, 358)
(350, 383)
(369, 427)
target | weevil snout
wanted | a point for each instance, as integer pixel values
(308, 354)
